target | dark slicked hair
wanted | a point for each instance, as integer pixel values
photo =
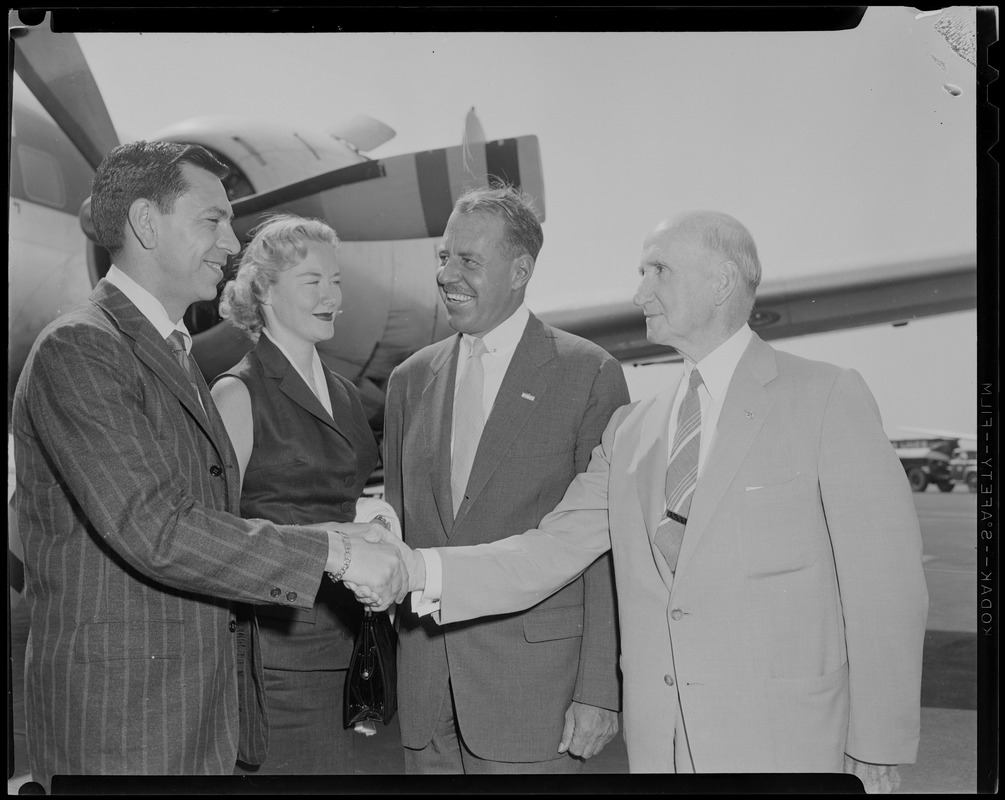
(148, 170)
(523, 232)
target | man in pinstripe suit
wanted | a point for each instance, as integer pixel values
(141, 658)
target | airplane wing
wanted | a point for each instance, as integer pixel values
(886, 293)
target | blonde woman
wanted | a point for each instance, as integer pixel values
(305, 450)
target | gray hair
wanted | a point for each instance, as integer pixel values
(523, 233)
(727, 236)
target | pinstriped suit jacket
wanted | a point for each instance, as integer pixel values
(127, 492)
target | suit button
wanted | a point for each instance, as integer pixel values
(349, 506)
(276, 592)
(216, 470)
(291, 596)
(676, 614)
(668, 680)
(232, 626)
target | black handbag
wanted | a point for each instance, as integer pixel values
(371, 687)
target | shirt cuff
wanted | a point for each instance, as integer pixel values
(427, 600)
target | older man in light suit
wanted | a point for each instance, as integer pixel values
(140, 660)
(767, 552)
(527, 692)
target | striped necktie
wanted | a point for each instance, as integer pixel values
(682, 474)
(176, 341)
(469, 420)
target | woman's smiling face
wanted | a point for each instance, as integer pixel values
(305, 298)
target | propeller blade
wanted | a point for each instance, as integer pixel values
(53, 67)
(402, 197)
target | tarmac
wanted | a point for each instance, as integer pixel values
(947, 757)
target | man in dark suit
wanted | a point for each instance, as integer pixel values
(140, 660)
(766, 546)
(526, 692)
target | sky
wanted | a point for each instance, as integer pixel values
(836, 149)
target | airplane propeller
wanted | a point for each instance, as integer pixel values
(402, 197)
(53, 67)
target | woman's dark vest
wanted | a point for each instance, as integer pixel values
(306, 467)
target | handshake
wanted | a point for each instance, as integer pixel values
(378, 567)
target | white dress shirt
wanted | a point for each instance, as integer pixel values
(149, 306)
(716, 370)
(500, 344)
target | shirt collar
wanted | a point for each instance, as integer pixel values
(505, 336)
(148, 305)
(717, 367)
(318, 373)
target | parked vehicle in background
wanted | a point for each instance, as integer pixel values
(963, 467)
(926, 461)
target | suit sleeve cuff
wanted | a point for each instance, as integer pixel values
(427, 600)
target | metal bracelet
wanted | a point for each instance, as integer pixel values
(337, 577)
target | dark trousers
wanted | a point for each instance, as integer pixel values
(447, 754)
(306, 736)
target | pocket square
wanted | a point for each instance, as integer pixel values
(753, 488)
(527, 396)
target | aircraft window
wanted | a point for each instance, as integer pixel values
(236, 183)
(42, 178)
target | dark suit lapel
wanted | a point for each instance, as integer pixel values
(436, 412)
(523, 385)
(277, 367)
(151, 348)
(744, 410)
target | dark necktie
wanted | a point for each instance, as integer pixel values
(682, 474)
(469, 420)
(176, 341)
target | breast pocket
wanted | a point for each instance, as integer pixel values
(780, 526)
(548, 624)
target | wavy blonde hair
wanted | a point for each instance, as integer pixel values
(277, 244)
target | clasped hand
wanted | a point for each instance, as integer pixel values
(378, 572)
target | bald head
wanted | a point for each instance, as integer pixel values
(700, 272)
(719, 235)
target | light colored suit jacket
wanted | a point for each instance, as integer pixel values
(514, 675)
(126, 494)
(793, 627)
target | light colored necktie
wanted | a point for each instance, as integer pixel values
(469, 420)
(176, 341)
(682, 474)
